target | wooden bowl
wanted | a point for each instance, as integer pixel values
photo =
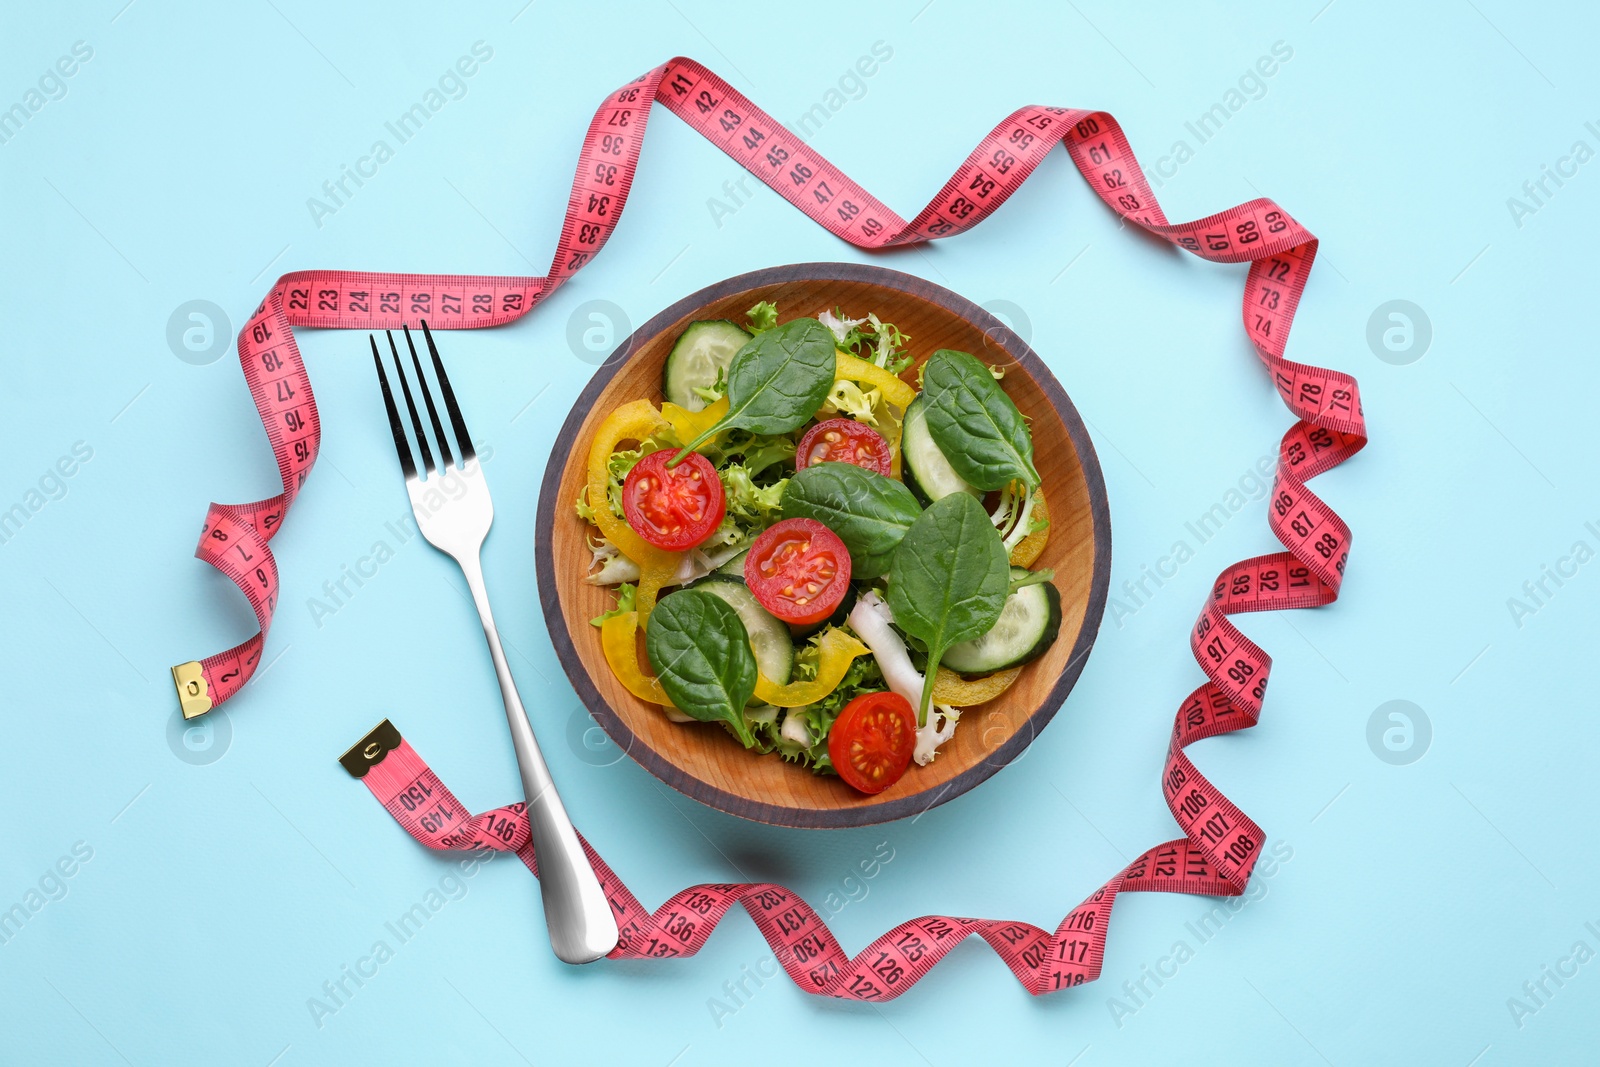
(702, 760)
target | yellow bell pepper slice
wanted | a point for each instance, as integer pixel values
(631, 422)
(950, 688)
(895, 437)
(838, 650)
(689, 425)
(618, 638)
(854, 369)
(1030, 548)
(654, 575)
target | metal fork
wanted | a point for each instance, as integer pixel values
(582, 927)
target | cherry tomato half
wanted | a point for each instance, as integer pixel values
(675, 508)
(799, 570)
(844, 441)
(872, 741)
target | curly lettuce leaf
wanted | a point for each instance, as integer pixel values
(757, 452)
(764, 316)
(866, 406)
(627, 596)
(848, 398)
(871, 339)
(749, 503)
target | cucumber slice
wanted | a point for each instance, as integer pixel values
(733, 570)
(927, 473)
(1027, 626)
(769, 636)
(703, 351)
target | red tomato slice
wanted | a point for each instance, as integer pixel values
(872, 741)
(675, 508)
(799, 570)
(844, 441)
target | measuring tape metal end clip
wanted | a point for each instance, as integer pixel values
(368, 752)
(194, 696)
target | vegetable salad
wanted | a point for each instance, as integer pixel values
(827, 560)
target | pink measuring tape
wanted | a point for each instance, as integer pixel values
(1220, 843)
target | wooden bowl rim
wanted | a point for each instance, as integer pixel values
(868, 814)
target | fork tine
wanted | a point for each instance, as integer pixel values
(427, 398)
(400, 446)
(411, 405)
(462, 439)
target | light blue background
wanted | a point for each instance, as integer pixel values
(220, 897)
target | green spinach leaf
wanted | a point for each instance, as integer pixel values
(777, 381)
(949, 580)
(701, 652)
(975, 424)
(869, 512)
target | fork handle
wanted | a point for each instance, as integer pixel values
(582, 926)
